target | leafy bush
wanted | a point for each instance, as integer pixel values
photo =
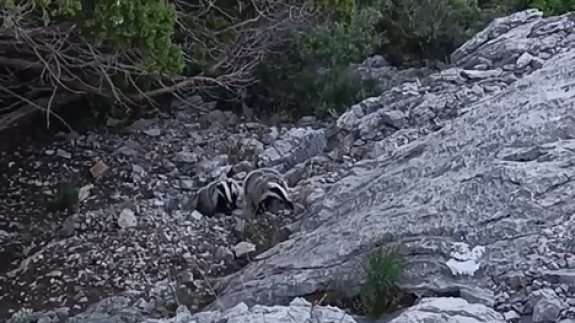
(23, 315)
(128, 52)
(310, 73)
(433, 29)
(553, 7)
(339, 43)
(548, 7)
(430, 29)
(146, 25)
(307, 92)
(227, 39)
(383, 268)
(56, 52)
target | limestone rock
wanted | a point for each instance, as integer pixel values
(448, 309)
(295, 147)
(462, 184)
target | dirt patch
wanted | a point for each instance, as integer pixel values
(98, 259)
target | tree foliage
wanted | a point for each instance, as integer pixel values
(146, 25)
(290, 55)
(126, 52)
(311, 73)
(430, 28)
(54, 52)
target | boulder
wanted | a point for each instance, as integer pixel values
(482, 207)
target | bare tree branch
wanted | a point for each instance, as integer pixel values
(42, 68)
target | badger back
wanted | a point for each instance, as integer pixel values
(254, 178)
(254, 184)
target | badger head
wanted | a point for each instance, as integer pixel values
(227, 192)
(275, 192)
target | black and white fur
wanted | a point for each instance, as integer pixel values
(261, 188)
(220, 196)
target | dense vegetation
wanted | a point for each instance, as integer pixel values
(279, 56)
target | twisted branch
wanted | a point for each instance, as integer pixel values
(42, 68)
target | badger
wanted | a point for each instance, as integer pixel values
(219, 196)
(261, 188)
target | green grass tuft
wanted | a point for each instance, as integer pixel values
(383, 268)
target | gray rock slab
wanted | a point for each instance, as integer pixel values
(448, 309)
(298, 310)
(296, 146)
(463, 207)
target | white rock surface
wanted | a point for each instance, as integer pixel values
(127, 219)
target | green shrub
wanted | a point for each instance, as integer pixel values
(228, 42)
(146, 25)
(23, 315)
(110, 50)
(339, 42)
(383, 268)
(553, 7)
(311, 74)
(232, 37)
(67, 197)
(503, 7)
(308, 92)
(429, 29)
(548, 7)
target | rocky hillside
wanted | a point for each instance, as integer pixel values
(469, 170)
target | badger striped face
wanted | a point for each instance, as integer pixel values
(277, 192)
(234, 188)
(227, 193)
